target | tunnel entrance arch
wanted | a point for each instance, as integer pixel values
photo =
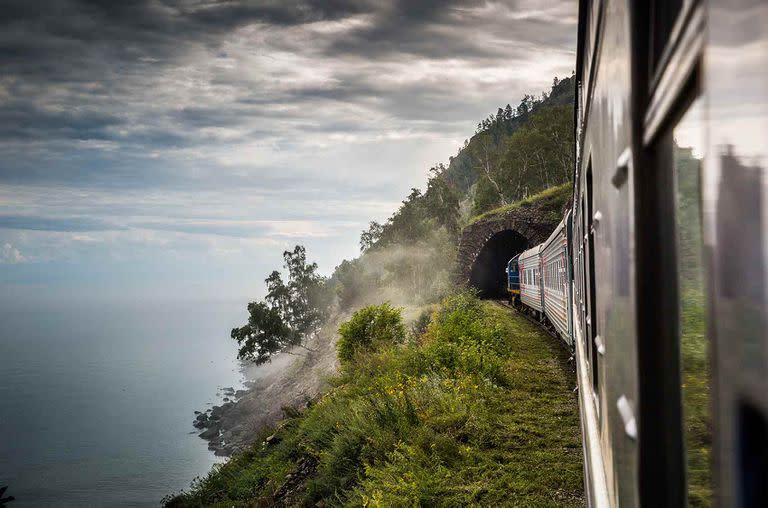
(488, 274)
(487, 243)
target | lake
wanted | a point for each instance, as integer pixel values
(97, 400)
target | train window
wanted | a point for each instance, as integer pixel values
(592, 305)
(687, 146)
(583, 254)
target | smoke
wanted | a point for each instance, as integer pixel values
(408, 276)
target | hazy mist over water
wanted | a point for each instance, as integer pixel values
(97, 401)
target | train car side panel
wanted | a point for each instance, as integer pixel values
(602, 248)
(530, 279)
(554, 281)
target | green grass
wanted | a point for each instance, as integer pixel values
(696, 395)
(553, 198)
(477, 411)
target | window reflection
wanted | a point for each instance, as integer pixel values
(697, 429)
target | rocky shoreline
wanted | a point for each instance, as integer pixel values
(284, 386)
(210, 421)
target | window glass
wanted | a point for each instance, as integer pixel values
(688, 154)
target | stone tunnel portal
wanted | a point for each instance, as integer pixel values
(488, 273)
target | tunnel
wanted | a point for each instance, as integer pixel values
(488, 271)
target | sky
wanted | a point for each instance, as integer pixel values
(167, 149)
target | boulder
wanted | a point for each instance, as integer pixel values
(210, 433)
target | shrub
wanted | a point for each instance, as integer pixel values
(419, 326)
(370, 328)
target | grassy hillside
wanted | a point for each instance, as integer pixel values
(553, 199)
(474, 408)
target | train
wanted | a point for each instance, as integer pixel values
(656, 277)
(538, 280)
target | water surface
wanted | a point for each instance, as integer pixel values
(96, 401)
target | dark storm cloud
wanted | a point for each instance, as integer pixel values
(82, 40)
(424, 28)
(124, 94)
(24, 120)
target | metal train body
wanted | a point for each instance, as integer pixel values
(513, 278)
(530, 279)
(657, 277)
(545, 281)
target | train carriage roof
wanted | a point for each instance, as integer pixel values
(559, 231)
(530, 253)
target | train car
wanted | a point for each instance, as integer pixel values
(556, 281)
(670, 251)
(513, 279)
(530, 279)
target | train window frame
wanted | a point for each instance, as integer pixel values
(662, 452)
(661, 45)
(682, 55)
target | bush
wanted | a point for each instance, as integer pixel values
(419, 326)
(370, 328)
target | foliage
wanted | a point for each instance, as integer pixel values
(420, 324)
(370, 328)
(368, 238)
(552, 200)
(291, 312)
(462, 170)
(478, 411)
(419, 215)
(537, 156)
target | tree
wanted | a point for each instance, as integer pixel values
(540, 154)
(290, 314)
(441, 200)
(486, 157)
(371, 236)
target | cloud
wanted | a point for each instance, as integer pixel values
(153, 80)
(170, 124)
(73, 224)
(11, 255)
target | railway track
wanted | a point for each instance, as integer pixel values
(542, 325)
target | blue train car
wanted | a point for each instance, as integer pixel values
(513, 279)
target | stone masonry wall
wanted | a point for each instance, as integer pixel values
(534, 222)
